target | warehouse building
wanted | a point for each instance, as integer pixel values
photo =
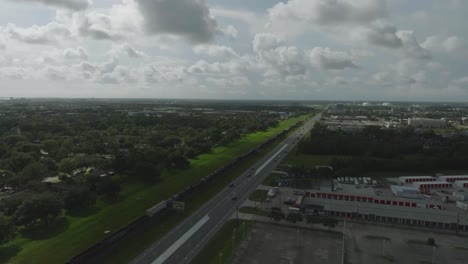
(411, 179)
(460, 196)
(393, 201)
(453, 178)
(441, 219)
(405, 191)
(461, 184)
(427, 186)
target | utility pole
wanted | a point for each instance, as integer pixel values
(343, 244)
(233, 238)
(237, 218)
(433, 254)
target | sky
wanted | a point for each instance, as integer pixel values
(395, 50)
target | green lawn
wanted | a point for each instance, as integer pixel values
(297, 159)
(258, 195)
(222, 243)
(253, 210)
(82, 232)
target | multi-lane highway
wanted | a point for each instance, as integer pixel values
(182, 243)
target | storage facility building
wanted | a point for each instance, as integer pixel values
(410, 179)
(453, 178)
(422, 186)
(405, 191)
(460, 196)
(461, 184)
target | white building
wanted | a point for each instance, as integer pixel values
(410, 179)
(461, 184)
(462, 205)
(460, 196)
(405, 191)
(453, 178)
(426, 123)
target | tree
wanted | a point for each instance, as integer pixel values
(79, 197)
(7, 229)
(35, 171)
(108, 187)
(45, 207)
(147, 171)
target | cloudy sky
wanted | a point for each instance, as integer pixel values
(235, 49)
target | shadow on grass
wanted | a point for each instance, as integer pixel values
(84, 212)
(7, 252)
(113, 199)
(43, 231)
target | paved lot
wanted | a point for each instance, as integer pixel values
(268, 243)
(369, 244)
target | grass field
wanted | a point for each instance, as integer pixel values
(220, 248)
(82, 232)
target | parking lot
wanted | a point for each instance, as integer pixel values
(267, 243)
(370, 244)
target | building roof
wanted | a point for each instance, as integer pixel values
(414, 213)
(453, 176)
(415, 177)
(404, 188)
(431, 183)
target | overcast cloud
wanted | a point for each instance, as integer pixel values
(290, 49)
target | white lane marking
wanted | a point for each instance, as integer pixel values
(270, 159)
(166, 254)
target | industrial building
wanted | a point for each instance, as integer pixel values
(453, 178)
(405, 191)
(426, 123)
(426, 186)
(394, 201)
(410, 179)
(441, 219)
(461, 184)
(460, 196)
(462, 205)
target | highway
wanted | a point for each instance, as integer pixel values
(181, 244)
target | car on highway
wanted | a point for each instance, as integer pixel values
(234, 198)
(231, 185)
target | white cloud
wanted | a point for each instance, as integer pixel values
(379, 34)
(126, 49)
(215, 51)
(75, 54)
(329, 12)
(277, 58)
(230, 31)
(76, 5)
(411, 47)
(456, 46)
(188, 18)
(461, 82)
(52, 33)
(327, 59)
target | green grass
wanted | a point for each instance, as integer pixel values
(258, 195)
(253, 210)
(300, 160)
(222, 243)
(83, 232)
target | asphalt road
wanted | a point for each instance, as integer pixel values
(182, 243)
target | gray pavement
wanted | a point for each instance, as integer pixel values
(181, 244)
